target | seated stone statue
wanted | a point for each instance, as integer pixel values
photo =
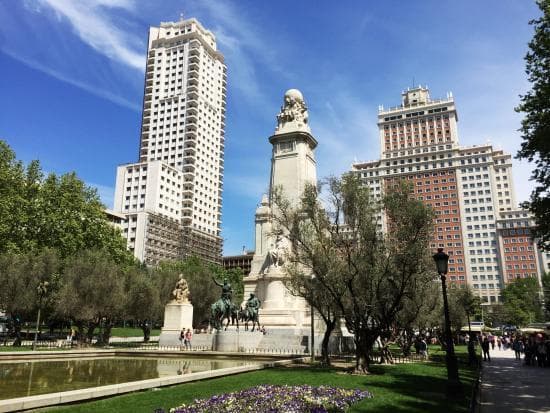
(181, 292)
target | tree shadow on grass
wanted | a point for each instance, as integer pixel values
(417, 387)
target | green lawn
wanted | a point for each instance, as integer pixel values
(131, 332)
(418, 387)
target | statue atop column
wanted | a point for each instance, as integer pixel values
(293, 115)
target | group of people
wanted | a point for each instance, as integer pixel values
(185, 338)
(534, 347)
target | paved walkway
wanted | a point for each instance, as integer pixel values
(510, 386)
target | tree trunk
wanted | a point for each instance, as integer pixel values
(106, 333)
(90, 333)
(385, 353)
(17, 331)
(79, 330)
(363, 348)
(330, 324)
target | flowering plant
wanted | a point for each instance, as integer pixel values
(278, 399)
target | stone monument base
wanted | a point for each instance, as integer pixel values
(235, 340)
(176, 317)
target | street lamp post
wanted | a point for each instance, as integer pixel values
(312, 321)
(312, 337)
(42, 290)
(454, 387)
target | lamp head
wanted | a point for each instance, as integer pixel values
(441, 261)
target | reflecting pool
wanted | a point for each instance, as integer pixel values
(28, 378)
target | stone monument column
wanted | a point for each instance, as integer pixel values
(293, 165)
(178, 315)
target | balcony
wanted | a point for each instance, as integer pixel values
(188, 175)
(192, 92)
(194, 67)
(191, 110)
(191, 119)
(194, 59)
(189, 167)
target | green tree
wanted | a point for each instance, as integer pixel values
(92, 293)
(142, 300)
(20, 275)
(421, 312)
(303, 285)
(368, 274)
(535, 126)
(546, 294)
(522, 301)
(71, 218)
(465, 305)
(13, 200)
(58, 212)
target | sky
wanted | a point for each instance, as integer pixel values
(72, 76)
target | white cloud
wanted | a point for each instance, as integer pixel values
(91, 22)
(247, 49)
(90, 88)
(346, 130)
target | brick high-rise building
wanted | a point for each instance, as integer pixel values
(469, 188)
(172, 197)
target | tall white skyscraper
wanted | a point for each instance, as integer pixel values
(172, 197)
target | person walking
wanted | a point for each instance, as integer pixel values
(182, 337)
(485, 347)
(518, 348)
(188, 336)
(499, 343)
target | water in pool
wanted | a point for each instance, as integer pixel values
(28, 378)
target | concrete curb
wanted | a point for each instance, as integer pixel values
(51, 399)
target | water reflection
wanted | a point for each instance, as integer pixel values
(19, 379)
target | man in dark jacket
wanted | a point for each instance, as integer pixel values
(485, 348)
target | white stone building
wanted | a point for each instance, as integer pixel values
(470, 189)
(173, 195)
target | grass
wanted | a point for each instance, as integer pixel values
(131, 332)
(400, 388)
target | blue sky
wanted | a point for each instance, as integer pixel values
(71, 81)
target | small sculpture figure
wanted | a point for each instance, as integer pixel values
(224, 308)
(250, 312)
(181, 292)
(276, 256)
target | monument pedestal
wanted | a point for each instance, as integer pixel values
(177, 316)
(236, 340)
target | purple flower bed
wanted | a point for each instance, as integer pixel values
(278, 399)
